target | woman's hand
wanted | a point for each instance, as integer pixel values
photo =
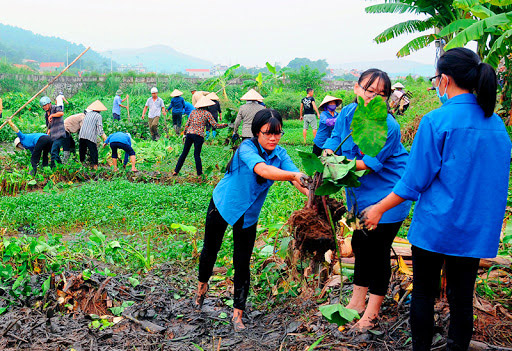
(302, 179)
(327, 152)
(372, 216)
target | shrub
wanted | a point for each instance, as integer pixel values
(286, 103)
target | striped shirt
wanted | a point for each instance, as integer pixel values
(197, 122)
(245, 115)
(92, 126)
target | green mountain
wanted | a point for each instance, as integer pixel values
(17, 44)
(158, 58)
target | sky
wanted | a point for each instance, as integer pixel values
(221, 31)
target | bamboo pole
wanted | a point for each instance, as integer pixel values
(128, 106)
(44, 88)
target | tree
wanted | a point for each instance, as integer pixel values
(222, 81)
(440, 13)
(297, 63)
(306, 78)
(268, 83)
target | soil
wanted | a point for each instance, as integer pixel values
(311, 228)
(162, 318)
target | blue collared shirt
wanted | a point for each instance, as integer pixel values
(387, 167)
(458, 171)
(238, 193)
(177, 105)
(29, 141)
(188, 108)
(119, 137)
(116, 108)
(324, 131)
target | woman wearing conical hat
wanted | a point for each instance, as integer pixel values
(177, 106)
(247, 112)
(327, 120)
(92, 127)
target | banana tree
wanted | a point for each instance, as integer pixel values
(222, 81)
(269, 82)
(439, 13)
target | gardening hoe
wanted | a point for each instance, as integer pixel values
(13, 126)
(45, 87)
(128, 106)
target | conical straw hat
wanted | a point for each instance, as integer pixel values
(176, 92)
(329, 98)
(212, 96)
(97, 106)
(252, 95)
(397, 86)
(204, 102)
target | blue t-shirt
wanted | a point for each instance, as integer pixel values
(177, 104)
(239, 193)
(458, 171)
(29, 141)
(386, 168)
(119, 137)
(324, 130)
(188, 108)
(116, 106)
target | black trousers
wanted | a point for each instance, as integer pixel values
(176, 119)
(371, 249)
(316, 150)
(243, 239)
(460, 281)
(198, 145)
(128, 150)
(43, 147)
(85, 144)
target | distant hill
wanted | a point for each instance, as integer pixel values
(18, 44)
(398, 67)
(158, 58)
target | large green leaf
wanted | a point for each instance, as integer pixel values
(311, 163)
(338, 314)
(270, 68)
(407, 27)
(456, 26)
(327, 188)
(501, 2)
(369, 126)
(416, 44)
(477, 30)
(392, 8)
(499, 49)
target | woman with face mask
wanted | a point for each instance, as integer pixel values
(458, 173)
(372, 247)
(327, 120)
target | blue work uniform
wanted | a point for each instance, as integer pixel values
(29, 141)
(116, 106)
(119, 137)
(386, 168)
(239, 193)
(325, 128)
(188, 108)
(458, 172)
(177, 105)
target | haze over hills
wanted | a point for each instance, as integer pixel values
(158, 58)
(398, 67)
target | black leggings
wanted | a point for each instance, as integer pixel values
(371, 248)
(198, 144)
(243, 239)
(317, 150)
(460, 281)
(128, 150)
(43, 146)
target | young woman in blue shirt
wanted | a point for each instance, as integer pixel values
(237, 201)
(326, 122)
(458, 173)
(372, 248)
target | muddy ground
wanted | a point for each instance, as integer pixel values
(162, 318)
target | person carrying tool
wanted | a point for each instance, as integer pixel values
(120, 140)
(177, 106)
(156, 108)
(117, 104)
(55, 126)
(37, 143)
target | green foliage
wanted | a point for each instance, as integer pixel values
(286, 103)
(369, 126)
(306, 77)
(301, 62)
(311, 163)
(338, 172)
(338, 314)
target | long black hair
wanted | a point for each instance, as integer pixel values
(262, 117)
(469, 73)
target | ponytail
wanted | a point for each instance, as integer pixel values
(486, 88)
(464, 66)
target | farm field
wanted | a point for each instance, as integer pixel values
(108, 260)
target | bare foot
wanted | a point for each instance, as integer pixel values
(134, 170)
(202, 289)
(238, 325)
(358, 307)
(367, 322)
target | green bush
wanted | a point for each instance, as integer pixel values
(286, 103)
